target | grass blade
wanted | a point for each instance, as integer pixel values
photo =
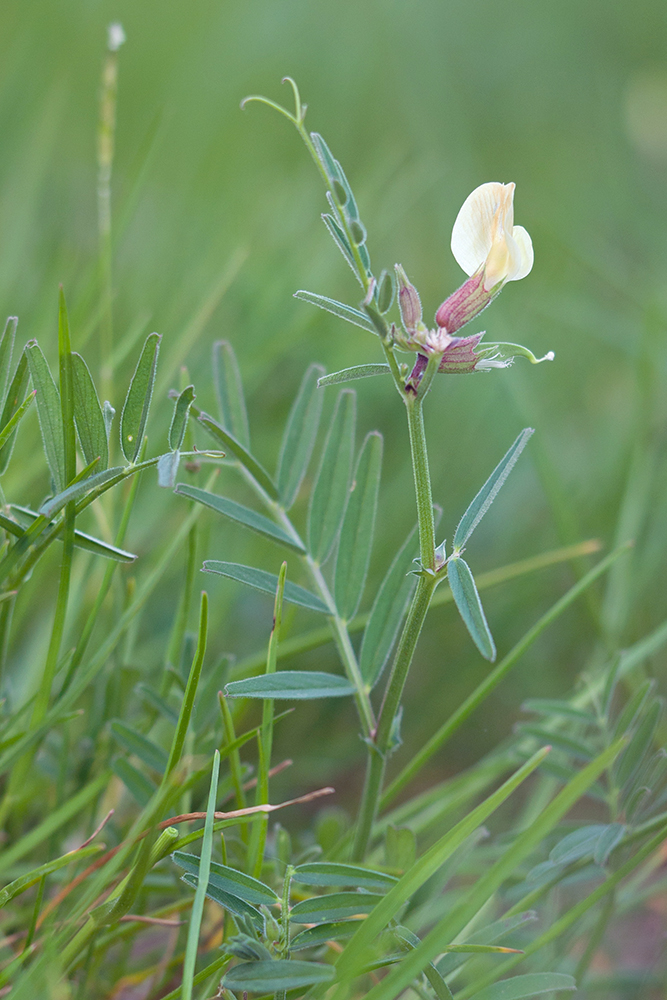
(15, 397)
(299, 438)
(356, 537)
(192, 946)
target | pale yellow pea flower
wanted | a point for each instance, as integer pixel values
(485, 237)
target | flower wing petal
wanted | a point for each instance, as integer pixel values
(526, 255)
(472, 235)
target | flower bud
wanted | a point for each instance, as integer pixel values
(408, 301)
(464, 304)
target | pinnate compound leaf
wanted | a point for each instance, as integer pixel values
(610, 836)
(335, 906)
(242, 515)
(352, 374)
(180, 418)
(388, 612)
(276, 976)
(339, 309)
(229, 880)
(48, 412)
(532, 985)
(139, 745)
(292, 685)
(229, 392)
(88, 415)
(470, 608)
(333, 873)
(267, 583)
(489, 490)
(299, 437)
(14, 401)
(227, 900)
(330, 492)
(138, 400)
(247, 460)
(356, 536)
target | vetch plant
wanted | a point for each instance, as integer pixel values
(173, 760)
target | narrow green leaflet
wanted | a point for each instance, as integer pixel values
(229, 392)
(81, 539)
(294, 685)
(342, 242)
(139, 745)
(335, 906)
(532, 985)
(243, 515)
(9, 430)
(470, 608)
(14, 400)
(276, 976)
(78, 490)
(313, 936)
(180, 418)
(489, 491)
(138, 400)
(329, 494)
(639, 745)
(6, 351)
(356, 537)
(88, 415)
(227, 900)
(242, 454)
(491, 933)
(388, 612)
(48, 412)
(299, 438)
(332, 873)
(352, 374)
(348, 313)
(141, 788)
(229, 880)
(266, 582)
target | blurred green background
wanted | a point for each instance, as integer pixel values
(216, 219)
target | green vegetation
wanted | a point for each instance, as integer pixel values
(459, 729)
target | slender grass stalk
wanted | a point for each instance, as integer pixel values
(202, 883)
